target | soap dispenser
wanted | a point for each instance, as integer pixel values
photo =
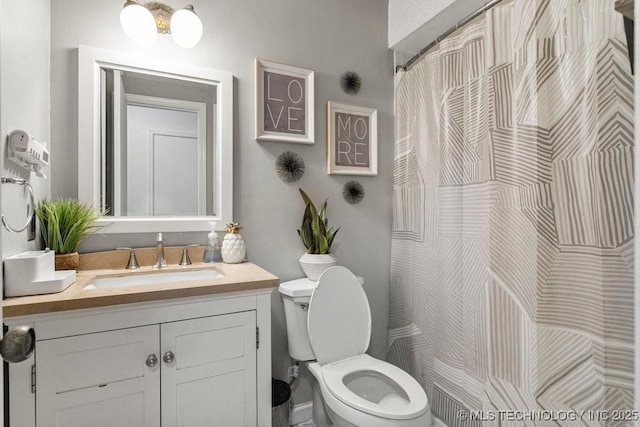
(212, 252)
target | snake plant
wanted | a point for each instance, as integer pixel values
(315, 233)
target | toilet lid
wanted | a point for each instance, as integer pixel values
(339, 319)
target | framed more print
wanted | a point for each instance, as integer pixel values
(352, 140)
(284, 103)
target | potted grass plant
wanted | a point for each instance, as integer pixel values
(317, 238)
(63, 224)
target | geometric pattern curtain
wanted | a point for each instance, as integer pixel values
(512, 250)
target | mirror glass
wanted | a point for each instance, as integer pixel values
(155, 142)
(158, 145)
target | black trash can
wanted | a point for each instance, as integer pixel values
(280, 394)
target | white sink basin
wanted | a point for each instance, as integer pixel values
(151, 279)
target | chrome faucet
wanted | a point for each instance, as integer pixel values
(160, 261)
(133, 262)
(185, 255)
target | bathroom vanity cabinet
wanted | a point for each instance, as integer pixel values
(190, 361)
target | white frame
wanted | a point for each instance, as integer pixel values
(261, 65)
(90, 60)
(332, 168)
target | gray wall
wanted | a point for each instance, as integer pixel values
(330, 37)
(24, 103)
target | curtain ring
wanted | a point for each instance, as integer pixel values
(31, 206)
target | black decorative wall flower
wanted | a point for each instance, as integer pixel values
(290, 166)
(350, 82)
(353, 192)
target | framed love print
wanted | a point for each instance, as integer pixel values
(283, 102)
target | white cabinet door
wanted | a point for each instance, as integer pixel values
(212, 378)
(99, 380)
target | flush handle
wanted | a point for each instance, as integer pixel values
(152, 360)
(168, 357)
(18, 344)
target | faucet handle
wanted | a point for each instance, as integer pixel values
(185, 255)
(133, 262)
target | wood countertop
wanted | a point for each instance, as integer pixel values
(235, 277)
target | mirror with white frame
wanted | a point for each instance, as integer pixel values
(155, 142)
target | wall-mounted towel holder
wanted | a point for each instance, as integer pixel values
(31, 207)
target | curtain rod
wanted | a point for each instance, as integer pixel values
(442, 36)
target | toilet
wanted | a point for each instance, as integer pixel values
(329, 326)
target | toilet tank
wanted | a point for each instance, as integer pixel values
(296, 295)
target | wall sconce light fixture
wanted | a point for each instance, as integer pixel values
(142, 23)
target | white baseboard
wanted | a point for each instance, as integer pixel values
(437, 422)
(301, 412)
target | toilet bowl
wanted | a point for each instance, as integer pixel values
(363, 391)
(353, 388)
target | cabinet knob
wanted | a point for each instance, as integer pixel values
(168, 357)
(152, 360)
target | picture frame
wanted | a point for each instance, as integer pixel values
(284, 100)
(352, 140)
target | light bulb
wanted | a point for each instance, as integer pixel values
(138, 23)
(186, 27)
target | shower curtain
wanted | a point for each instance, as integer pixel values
(512, 250)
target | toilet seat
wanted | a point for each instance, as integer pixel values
(394, 408)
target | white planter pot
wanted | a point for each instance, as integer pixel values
(314, 265)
